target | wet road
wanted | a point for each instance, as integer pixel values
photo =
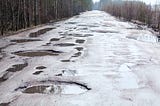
(92, 59)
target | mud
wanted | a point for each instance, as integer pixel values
(38, 53)
(40, 32)
(65, 44)
(79, 48)
(17, 67)
(80, 41)
(24, 40)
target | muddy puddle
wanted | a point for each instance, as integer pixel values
(24, 40)
(38, 53)
(77, 54)
(65, 44)
(4, 104)
(9, 72)
(54, 39)
(41, 67)
(56, 87)
(66, 60)
(80, 41)
(79, 48)
(40, 32)
(17, 67)
(37, 72)
(4, 77)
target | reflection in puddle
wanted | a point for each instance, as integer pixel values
(38, 53)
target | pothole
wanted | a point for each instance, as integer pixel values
(65, 60)
(37, 72)
(40, 32)
(41, 67)
(65, 44)
(77, 54)
(17, 67)
(24, 40)
(80, 41)
(104, 31)
(87, 35)
(54, 39)
(79, 48)
(4, 104)
(38, 53)
(4, 77)
(71, 23)
(56, 87)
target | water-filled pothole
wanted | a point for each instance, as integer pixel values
(65, 44)
(37, 72)
(80, 41)
(79, 48)
(17, 67)
(40, 32)
(56, 87)
(24, 40)
(4, 77)
(38, 53)
(4, 104)
(41, 67)
(77, 54)
(54, 39)
(66, 60)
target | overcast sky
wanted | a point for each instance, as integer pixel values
(147, 1)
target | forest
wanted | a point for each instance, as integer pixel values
(21, 14)
(135, 11)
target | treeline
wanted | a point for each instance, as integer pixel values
(134, 11)
(20, 14)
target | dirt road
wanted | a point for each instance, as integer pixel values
(92, 59)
